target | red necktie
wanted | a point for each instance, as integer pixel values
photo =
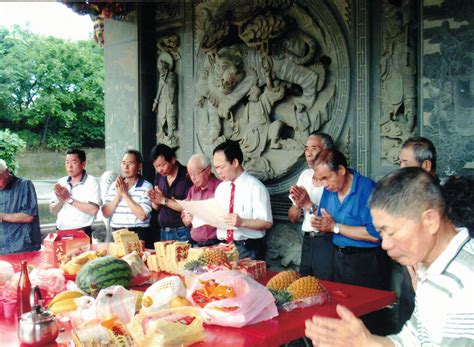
(230, 232)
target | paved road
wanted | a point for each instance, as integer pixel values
(44, 188)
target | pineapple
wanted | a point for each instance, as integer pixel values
(305, 287)
(193, 265)
(282, 280)
(214, 257)
(282, 297)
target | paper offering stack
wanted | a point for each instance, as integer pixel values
(170, 256)
(125, 242)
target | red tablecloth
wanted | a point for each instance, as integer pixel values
(286, 327)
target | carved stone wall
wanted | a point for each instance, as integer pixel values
(448, 84)
(268, 72)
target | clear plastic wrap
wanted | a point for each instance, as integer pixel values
(181, 326)
(250, 303)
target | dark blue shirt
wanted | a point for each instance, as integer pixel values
(353, 211)
(19, 196)
(168, 217)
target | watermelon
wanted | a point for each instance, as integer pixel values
(104, 272)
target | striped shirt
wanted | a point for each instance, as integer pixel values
(123, 216)
(444, 304)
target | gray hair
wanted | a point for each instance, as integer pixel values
(3, 166)
(326, 139)
(423, 149)
(408, 192)
(201, 159)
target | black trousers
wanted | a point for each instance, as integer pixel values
(366, 268)
(317, 256)
(362, 267)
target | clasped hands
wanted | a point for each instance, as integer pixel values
(156, 196)
(324, 223)
(61, 192)
(121, 186)
(300, 197)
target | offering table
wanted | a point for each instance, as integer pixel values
(286, 327)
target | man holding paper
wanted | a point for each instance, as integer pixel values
(204, 187)
(247, 199)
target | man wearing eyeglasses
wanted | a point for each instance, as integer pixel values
(204, 187)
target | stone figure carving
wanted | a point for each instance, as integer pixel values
(221, 85)
(264, 80)
(447, 89)
(284, 247)
(398, 80)
(169, 44)
(259, 130)
(166, 104)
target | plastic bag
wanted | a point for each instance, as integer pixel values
(159, 294)
(252, 303)
(6, 272)
(49, 280)
(85, 315)
(181, 326)
(319, 299)
(140, 272)
(115, 301)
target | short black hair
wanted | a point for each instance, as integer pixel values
(332, 158)
(79, 152)
(161, 149)
(408, 192)
(137, 154)
(326, 139)
(231, 151)
(459, 193)
(423, 149)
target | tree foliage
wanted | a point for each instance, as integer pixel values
(51, 90)
(10, 145)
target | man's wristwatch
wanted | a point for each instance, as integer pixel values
(70, 201)
(337, 229)
(165, 202)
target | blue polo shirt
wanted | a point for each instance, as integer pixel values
(353, 211)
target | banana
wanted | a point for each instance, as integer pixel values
(66, 295)
(63, 306)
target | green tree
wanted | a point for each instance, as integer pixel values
(10, 146)
(51, 90)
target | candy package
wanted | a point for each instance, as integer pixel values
(231, 299)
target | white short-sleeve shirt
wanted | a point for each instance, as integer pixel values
(306, 180)
(87, 190)
(123, 216)
(251, 201)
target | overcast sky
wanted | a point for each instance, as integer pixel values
(46, 18)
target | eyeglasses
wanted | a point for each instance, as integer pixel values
(194, 174)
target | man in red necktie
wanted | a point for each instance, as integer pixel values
(247, 199)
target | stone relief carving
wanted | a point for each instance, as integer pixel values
(267, 80)
(165, 103)
(448, 104)
(169, 15)
(284, 247)
(398, 79)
